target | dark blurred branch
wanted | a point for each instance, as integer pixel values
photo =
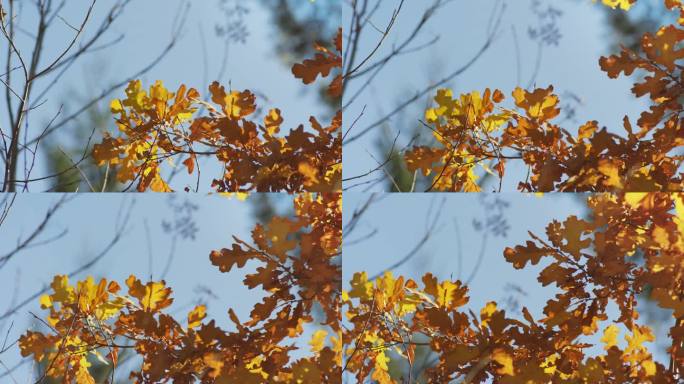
(431, 221)
(30, 240)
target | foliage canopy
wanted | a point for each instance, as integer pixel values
(158, 126)
(631, 246)
(476, 130)
(298, 270)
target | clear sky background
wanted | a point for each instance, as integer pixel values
(401, 221)
(196, 60)
(572, 66)
(90, 221)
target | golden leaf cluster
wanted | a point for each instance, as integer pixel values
(158, 127)
(477, 130)
(298, 270)
(632, 245)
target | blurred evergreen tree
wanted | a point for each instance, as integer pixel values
(65, 151)
(628, 27)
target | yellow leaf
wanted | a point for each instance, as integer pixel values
(135, 96)
(611, 170)
(649, 367)
(634, 198)
(159, 92)
(381, 361)
(549, 364)
(506, 361)
(310, 174)
(115, 106)
(679, 218)
(431, 115)
(538, 104)
(488, 310)
(447, 294)
(107, 310)
(83, 376)
(272, 121)
(361, 288)
(640, 335)
(64, 293)
(622, 4)
(152, 297)
(45, 301)
(159, 185)
(196, 316)
(661, 236)
(242, 196)
(610, 335)
(254, 366)
(587, 130)
(318, 340)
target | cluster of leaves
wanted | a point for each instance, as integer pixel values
(158, 125)
(298, 269)
(476, 130)
(627, 4)
(622, 4)
(633, 244)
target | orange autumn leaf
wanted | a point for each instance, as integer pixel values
(323, 63)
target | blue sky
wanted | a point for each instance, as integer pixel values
(572, 66)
